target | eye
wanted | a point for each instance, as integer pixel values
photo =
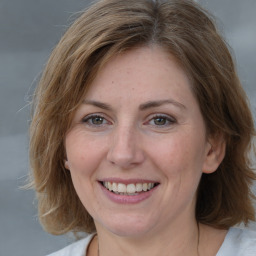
(95, 120)
(161, 121)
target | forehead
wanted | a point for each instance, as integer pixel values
(146, 70)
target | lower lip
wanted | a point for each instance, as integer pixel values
(124, 199)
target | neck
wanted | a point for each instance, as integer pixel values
(183, 240)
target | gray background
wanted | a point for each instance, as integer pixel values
(29, 30)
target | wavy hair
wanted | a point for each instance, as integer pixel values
(187, 32)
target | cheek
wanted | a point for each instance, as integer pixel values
(83, 157)
(83, 153)
(178, 154)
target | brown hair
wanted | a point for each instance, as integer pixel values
(110, 27)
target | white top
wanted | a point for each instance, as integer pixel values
(238, 242)
(75, 249)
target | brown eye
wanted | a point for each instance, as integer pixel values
(160, 121)
(95, 120)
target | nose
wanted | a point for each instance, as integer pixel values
(124, 149)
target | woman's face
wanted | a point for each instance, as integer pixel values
(140, 133)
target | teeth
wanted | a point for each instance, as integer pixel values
(145, 186)
(138, 187)
(121, 188)
(109, 185)
(130, 189)
(114, 187)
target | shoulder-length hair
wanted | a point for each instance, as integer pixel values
(187, 32)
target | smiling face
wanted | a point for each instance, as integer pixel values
(137, 146)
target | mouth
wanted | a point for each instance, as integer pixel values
(132, 189)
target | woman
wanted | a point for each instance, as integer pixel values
(141, 134)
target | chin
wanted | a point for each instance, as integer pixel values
(126, 227)
(128, 232)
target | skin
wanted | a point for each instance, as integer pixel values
(122, 136)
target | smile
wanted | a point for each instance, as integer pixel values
(129, 189)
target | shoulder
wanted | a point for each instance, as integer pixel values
(77, 248)
(239, 242)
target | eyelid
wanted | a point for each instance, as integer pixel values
(172, 120)
(86, 118)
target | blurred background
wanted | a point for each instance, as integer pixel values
(28, 32)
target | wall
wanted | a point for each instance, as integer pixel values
(29, 30)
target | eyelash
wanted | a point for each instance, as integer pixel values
(165, 118)
(89, 120)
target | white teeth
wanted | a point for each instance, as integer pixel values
(145, 186)
(130, 189)
(138, 187)
(109, 186)
(121, 188)
(114, 187)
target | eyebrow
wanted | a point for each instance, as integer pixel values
(142, 107)
(98, 104)
(158, 103)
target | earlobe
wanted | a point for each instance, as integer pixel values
(215, 153)
(66, 164)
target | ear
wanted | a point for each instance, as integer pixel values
(66, 164)
(215, 153)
